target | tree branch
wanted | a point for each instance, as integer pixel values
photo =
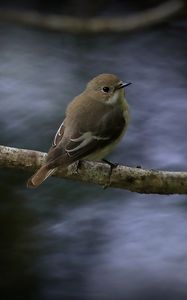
(136, 21)
(132, 179)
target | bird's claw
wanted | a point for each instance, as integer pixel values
(112, 165)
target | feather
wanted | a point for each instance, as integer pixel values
(42, 174)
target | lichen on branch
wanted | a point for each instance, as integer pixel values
(132, 179)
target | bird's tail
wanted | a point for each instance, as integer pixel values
(42, 174)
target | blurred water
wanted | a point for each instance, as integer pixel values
(68, 240)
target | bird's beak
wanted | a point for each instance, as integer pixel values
(122, 85)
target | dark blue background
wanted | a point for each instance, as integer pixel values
(70, 240)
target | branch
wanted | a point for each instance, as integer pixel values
(132, 179)
(136, 21)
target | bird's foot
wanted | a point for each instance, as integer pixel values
(112, 166)
(76, 166)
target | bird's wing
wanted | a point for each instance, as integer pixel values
(56, 149)
(84, 142)
(106, 131)
(58, 135)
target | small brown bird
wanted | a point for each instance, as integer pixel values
(95, 122)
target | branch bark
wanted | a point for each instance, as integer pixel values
(132, 179)
(136, 21)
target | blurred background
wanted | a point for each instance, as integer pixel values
(69, 240)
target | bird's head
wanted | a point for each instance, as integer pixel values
(107, 88)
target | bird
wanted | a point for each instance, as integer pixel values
(95, 121)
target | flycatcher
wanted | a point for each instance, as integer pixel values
(95, 122)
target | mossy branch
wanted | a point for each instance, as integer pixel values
(132, 179)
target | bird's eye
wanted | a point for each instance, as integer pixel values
(106, 89)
